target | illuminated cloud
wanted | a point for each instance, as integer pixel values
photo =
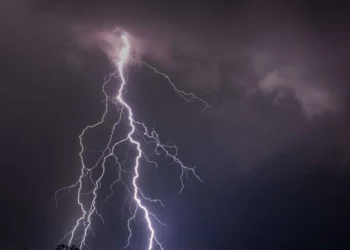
(287, 83)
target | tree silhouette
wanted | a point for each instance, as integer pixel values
(66, 247)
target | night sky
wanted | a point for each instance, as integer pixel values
(273, 149)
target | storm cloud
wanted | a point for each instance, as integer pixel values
(250, 53)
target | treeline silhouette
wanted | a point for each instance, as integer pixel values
(66, 247)
(60, 247)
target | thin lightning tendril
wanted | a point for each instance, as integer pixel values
(137, 131)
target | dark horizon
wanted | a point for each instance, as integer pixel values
(59, 247)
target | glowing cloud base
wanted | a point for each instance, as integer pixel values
(138, 135)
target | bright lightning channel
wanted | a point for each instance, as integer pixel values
(137, 135)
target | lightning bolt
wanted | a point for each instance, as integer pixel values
(138, 135)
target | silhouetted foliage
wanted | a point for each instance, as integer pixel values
(66, 247)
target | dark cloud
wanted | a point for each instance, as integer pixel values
(286, 83)
(275, 75)
(233, 54)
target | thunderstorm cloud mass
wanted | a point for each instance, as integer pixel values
(174, 125)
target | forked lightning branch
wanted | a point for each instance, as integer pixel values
(138, 136)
